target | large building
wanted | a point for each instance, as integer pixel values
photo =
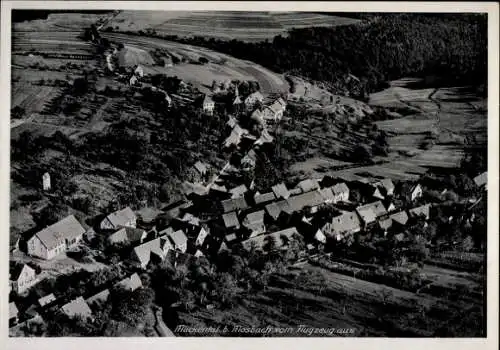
(120, 218)
(56, 239)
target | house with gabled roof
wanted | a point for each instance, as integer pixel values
(98, 298)
(123, 217)
(371, 211)
(201, 234)
(341, 192)
(128, 235)
(274, 209)
(208, 105)
(420, 211)
(157, 248)
(320, 237)
(252, 99)
(13, 314)
(238, 191)
(230, 238)
(260, 198)
(387, 186)
(130, 283)
(280, 238)
(310, 199)
(280, 191)
(412, 192)
(342, 225)
(77, 308)
(22, 277)
(308, 185)
(255, 222)
(231, 221)
(481, 180)
(234, 204)
(46, 300)
(201, 168)
(275, 110)
(178, 240)
(400, 218)
(56, 238)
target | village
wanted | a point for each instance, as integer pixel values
(222, 209)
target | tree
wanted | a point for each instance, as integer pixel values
(362, 153)
(270, 244)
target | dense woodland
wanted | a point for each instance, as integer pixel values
(383, 47)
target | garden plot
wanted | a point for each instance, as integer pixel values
(32, 98)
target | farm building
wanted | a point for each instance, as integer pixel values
(371, 211)
(275, 110)
(481, 180)
(46, 300)
(279, 239)
(280, 191)
(56, 238)
(128, 235)
(46, 182)
(231, 220)
(130, 283)
(255, 223)
(159, 247)
(77, 307)
(342, 225)
(208, 105)
(260, 198)
(22, 277)
(253, 99)
(124, 217)
(233, 204)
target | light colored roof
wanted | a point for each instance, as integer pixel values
(178, 238)
(255, 218)
(121, 217)
(400, 218)
(15, 270)
(254, 96)
(77, 307)
(340, 188)
(238, 191)
(274, 209)
(207, 100)
(127, 234)
(369, 212)
(201, 167)
(99, 297)
(234, 204)
(308, 199)
(67, 228)
(327, 194)
(281, 191)
(131, 283)
(277, 106)
(481, 179)
(198, 188)
(218, 188)
(231, 237)
(231, 220)
(190, 218)
(257, 115)
(387, 184)
(421, 210)
(308, 185)
(385, 223)
(237, 100)
(13, 310)
(165, 231)
(143, 251)
(264, 197)
(347, 222)
(261, 240)
(47, 299)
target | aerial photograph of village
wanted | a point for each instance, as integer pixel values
(247, 174)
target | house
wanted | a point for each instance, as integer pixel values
(77, 308)
(197, 188)
(13, 314)
(133, 80)
(22, 277)
(190, 219)
(231, 220)
(481, 180)
(56, 238)
(274, 209)
(387, 187)
(237, 102)
(385, 224)
(389, 205)
(413, 192)
(46, 300)
(130, 283)
(235, 137)
(262, 242)
(198, 254)
(124, 217)
(421, 211)
(255, 223)
(320, 237)
(231, 122)
(280, 191)
(265, 137)
(128, 235)
(308, 185)
(158, 247)
(234, 204)
(371, 211)
(249, 160)
(139, 71)
(310, 199)
(258, 117)
(340, 192)
(238, 191)
(327, 194)
(253, 99)
(275, 110)
(264, 197)
(208, 105)
(178, 240)
(46, 182)
(230, 237)
(342, 225)
(201, 168)
(400, 218)
(223, 248)
(200, 236)
(98, 298)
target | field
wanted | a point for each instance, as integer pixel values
(25, 42)
(225, 25)
(60, 22)
(220, 67)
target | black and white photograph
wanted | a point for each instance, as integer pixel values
(224, 173)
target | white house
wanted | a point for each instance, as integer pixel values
(340, 192)
(22, 277)
(200, 237)
(124, 217)
(46, 182)
(133, 80)
(139, 71)
(208, 105)
(275, 110)
(56, 239)
(252, 99)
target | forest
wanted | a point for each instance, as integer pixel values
(382, 48)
